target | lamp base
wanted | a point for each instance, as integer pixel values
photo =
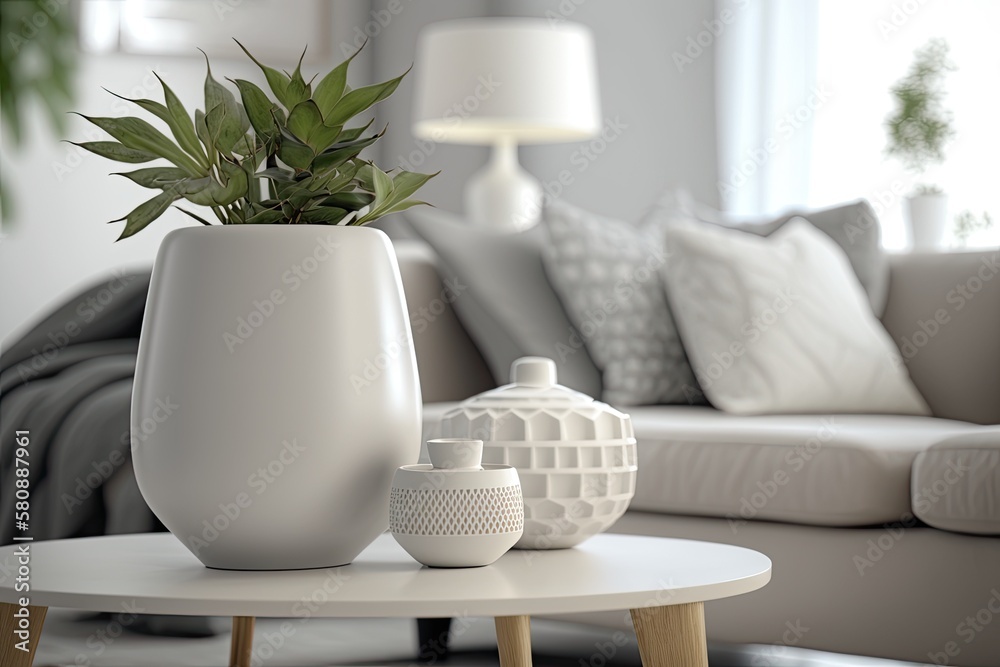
(502, 195)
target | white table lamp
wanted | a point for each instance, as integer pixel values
(504, 82)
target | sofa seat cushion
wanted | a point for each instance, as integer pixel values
(956, 483)
(823, 470)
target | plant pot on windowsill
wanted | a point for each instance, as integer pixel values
(927, 217)
(282, 447)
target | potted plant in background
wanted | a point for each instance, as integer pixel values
(280, 335)
(918, 130)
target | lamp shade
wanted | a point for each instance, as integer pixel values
(522, 79)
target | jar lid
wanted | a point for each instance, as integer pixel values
(535, 407)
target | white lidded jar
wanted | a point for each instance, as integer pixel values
(575, 456)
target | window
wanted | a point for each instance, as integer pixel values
(863, 49)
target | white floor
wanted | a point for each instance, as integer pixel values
(85, 640)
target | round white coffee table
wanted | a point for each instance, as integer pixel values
(662, 581)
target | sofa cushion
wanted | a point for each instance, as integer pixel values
(781, 324)
(818, 470)
(854, 226)
(956, 483)
(824, 470)
(606, 273)
(505, 300)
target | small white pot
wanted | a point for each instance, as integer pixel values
(456, 512)
(927, 216)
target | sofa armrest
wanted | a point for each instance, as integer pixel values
(944, 314)
(450, 365)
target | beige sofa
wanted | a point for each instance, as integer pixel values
(883, 530)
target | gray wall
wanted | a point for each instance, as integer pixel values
(668, 138)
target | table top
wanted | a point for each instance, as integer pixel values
(155, 573)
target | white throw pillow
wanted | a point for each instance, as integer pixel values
(781, 324)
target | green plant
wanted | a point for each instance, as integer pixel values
(920, 126)
(37, 61)
(968, 223)
(298, 149)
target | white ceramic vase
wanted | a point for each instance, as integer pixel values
(576, 457)
(928, 218)
(456, 512)
(275, 394)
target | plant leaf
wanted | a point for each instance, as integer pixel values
(266, 217)
(351, 201)
(298, 90)
(383, 185)
(145, 213)
(294, 154)
(304, 120)
(180, 124)
(277, 81)
(140, 135)
(276, 174)
(193, 215)
(116, 151)
(331, 87)
(354, 133)
(401, 206)
(258, 109)
(338, 154)
(359, 99)
(155, 177)
(326, 215)
(201, 128)
(223, 129)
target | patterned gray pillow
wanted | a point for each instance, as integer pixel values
(605, 272)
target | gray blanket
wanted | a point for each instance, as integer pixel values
(67, 381)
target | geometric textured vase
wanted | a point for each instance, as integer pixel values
(576, 457)
(286, 357)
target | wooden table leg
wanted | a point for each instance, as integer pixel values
(19, 650)
(514, 640)
(241, 647)
(672, 636)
